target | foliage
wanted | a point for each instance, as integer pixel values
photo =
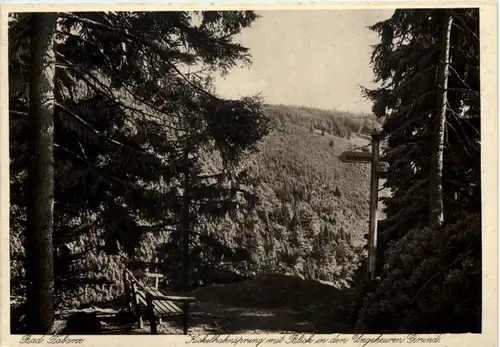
(431, 283)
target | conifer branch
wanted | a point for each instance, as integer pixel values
(457, 16)
(459, 257)
(95, 132)
(109, 95)
(95, 168)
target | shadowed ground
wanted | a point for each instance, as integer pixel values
(267, 304)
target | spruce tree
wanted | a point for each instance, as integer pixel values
(121, 88)
(411, 99)
(406, 63)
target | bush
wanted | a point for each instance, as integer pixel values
(431, 283)
(82, 274)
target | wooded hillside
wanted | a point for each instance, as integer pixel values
(309, 220)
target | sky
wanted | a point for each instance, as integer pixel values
(307, 57)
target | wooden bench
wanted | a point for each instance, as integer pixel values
(150, 302)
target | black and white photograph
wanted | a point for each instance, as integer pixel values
(223, 172)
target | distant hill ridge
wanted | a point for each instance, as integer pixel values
(335, 122)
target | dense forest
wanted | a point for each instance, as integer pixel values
(121, 150)
(309, 219)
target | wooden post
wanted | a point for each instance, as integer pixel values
(185, 318)
(126, 289)
(151, 314)
(137, 306)
(157, 279)
(186, 226)
(372, 239)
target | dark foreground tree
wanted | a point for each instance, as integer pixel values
(205, 164)
(426, 120)
(121, 83)
(40, 180)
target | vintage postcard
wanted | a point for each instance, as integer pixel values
(249, 174)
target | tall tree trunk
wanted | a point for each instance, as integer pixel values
(436, 213)
(186, 217)
(185, 226)
(40, 184)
